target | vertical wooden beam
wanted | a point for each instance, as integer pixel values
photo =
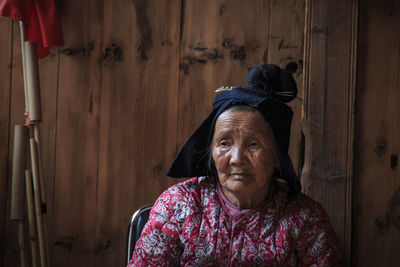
(377, 174)
(329, 84)
(5, 142)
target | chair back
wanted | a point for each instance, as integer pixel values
(136, 224)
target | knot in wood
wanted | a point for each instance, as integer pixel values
(380, 147)
(382, 225)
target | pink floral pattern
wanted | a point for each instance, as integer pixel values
(188, 226)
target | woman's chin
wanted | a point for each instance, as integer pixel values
(237, 185)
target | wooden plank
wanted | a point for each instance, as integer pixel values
(217, 51)
(48, 71)
(377, 177)
(5, 99)
(138, 115)
(75, 186)
(329, 83)
(285, 48)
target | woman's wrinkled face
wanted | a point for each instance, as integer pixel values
(243, 152)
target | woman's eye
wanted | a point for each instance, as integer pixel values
(224, 143)
(254, 144)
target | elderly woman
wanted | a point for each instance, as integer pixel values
(244, 206)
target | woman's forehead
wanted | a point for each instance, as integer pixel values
(245, 120)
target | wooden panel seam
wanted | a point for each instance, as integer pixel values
(351, 127)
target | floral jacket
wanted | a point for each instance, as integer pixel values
(188, 226)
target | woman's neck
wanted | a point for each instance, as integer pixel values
(244, 201)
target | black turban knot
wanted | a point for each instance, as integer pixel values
(269, 89)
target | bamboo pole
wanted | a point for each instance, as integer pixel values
(19, 166)
(38, 209)
(35, 110)
(18, 184)
(32, 80)
(23, 39)
(36, 136)
(34, 116)
(31, 217)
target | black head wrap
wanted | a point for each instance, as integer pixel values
(270, 88)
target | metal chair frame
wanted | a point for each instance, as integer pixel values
(133, 232)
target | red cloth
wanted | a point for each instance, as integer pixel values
(41, 19)
(188, 226)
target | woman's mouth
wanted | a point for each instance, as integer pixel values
(239, 175)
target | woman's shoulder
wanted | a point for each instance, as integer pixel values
(190, 191)
(316, 239)
(299, 204)
(306, 208)
(191, 185)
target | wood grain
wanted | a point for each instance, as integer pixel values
(76, 167)
(121, 97)
(217, 51)
(329, 83)
(140, 67)
(48, 72)
(5, 96)
(377, 180)
(285, 48)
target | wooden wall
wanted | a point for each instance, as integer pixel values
(132, 82)
(5, 97)
(376, 217)
(136, 77)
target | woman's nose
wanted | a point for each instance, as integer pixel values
(237, 155)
